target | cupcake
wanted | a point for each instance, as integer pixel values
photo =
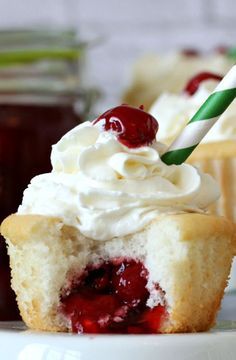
(154, 74)
(115, 241)
(216, 154)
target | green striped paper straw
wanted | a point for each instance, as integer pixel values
(203, 120)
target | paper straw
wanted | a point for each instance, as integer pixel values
(203, 120)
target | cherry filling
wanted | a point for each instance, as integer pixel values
(194, 83)
(112, 298)
(133, 126)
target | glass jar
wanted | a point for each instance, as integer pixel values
(41, 97)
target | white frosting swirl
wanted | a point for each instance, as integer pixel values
(106, 189)
(174, 111)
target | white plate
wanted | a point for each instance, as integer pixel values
(18, 343)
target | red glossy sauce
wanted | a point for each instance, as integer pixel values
(112, 299)
(194, 83)
(26, 135)
(133, 126)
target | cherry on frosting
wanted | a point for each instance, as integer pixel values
(190, 52)
(112, 298)
(194, 83)
(222, 49)
(133, 126)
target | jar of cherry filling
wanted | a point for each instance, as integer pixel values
(41, 98)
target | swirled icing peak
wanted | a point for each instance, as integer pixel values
(107, 189)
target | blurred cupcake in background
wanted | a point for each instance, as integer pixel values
(154, 74)
(216, 154)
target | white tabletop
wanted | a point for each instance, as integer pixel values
(19, 343)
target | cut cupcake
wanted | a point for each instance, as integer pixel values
(115, 241)
(168, 277)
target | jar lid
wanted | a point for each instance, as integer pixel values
(21, 47)
(40, 61)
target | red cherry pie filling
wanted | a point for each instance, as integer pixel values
(111, 298)
(194, 83)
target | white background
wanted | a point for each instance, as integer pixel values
(128, 29)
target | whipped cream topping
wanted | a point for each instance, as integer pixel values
(106, 189)
(174, 111)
